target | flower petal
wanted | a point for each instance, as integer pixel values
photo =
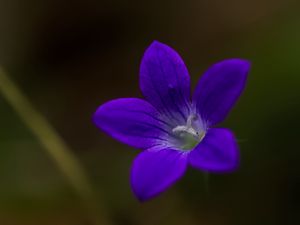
(164, 80)
(217, 152)
(153, 172)
(132, 121)
(219, 88)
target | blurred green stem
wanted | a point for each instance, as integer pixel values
(56, 147)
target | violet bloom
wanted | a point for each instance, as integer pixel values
(172, 128)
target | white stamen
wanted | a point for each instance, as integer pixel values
(188, 128)
(190, 120)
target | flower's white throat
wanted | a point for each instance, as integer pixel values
(189, 130)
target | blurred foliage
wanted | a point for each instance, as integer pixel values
(69, 57)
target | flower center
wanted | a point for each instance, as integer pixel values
(189, 136)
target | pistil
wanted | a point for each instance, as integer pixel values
(188, 134)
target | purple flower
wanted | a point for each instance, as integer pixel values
(172, 128)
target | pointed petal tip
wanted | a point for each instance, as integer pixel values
(158, 45)
(153, 172)
(155, 42)
(95, 116)
(244, 64)
(141, 197)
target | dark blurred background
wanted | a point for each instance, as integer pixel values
(71, 56)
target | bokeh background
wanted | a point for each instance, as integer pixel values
(68, 57)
